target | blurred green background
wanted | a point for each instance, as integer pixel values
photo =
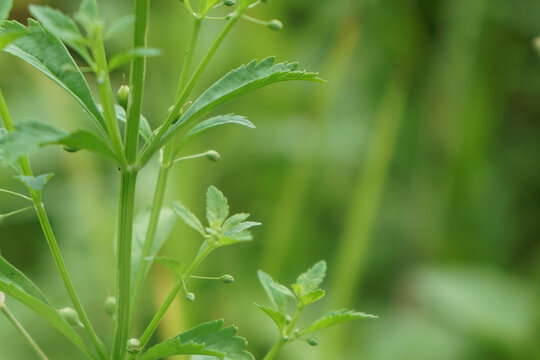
(414, 172)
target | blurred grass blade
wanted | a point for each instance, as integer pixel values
(5, 8)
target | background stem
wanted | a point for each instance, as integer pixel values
(25, 334)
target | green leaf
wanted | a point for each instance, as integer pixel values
(217, 207)
(144, 127)
(122, 59)
(205, 339)
(35, 182)
(119, 27)
(10, 35)
(62, 26)
(334, 318)
(82, 139)
(46, 53)
(234, 220)
(173, 264)
(240, 81)
(242, 227)
(167, 219)
(276, 316)
(214, 122)
(88, 15)
(310, 280)
(5, 8)
(275, 294)
(188, 217)
(15, 284)
(313, 296)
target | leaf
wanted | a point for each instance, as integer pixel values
(119, 26)
(124, 58)
(234, 220)
(173, 264)
(166, 222)
(87, 15)
(35, 182)
(240, 81)
(46, 53)
(277, 297)
(8, 36)
(310, 280)
(217, 207)
(276, 316)
(313, 296)
(5, 8)
(205, 339)
(82, 139)
(62, 26)
(283, 290)
(15, 284)
(144, 127)
(188, 217)
(334, 318)
(237, 229)
(214, 122)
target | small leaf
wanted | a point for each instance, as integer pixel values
(234, 220)
(217, 207)
(311, 279)
(208, 124)
(205, 339)
(313, 296)
(237, 229)
(278, 317)
(119, 26)
(121, 59)
(188, 217)
(62, 26)
(87, 15)
(277, 297)
(144, 127)
(334, 318)
(173, 264)
(283, 290)
(5, 8)
(35, 182)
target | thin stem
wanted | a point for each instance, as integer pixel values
(123, 255)
(189, 57)
(283, 339)
(15, 212)
(51, 241)
(16, 194)
(25, 334)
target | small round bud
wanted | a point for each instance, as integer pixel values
(133, 346)
(227, 279)
(122, 96)
(71, 316)
(312, 342)
(288, 319)
(229, 2)
(285, 338)
(110, 305)
(190, 296)
(71, 149)
(275, 25)
(213, 155)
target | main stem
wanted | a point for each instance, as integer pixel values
(25, 334)
(51, 240)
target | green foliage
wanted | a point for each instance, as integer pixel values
(213, 122)
(306, 287)
(188, 217)
(35, 182)
(173, 264)
(277, 297)
(217, 207)
(124, 58)
(205, 339)
(119, 27)
(277, 316)
(5, 8)
(334, 318)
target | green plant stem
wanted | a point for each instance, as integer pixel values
(51, 241)
(281, 342)
(137, 77)
(15, 193)
(128, 180)
(25, 334)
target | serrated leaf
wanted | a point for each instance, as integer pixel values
(311, 279)
(283, 290)
(8, 36)
(166, 222)
(277, 297)
(62, 26)
(234, 220)
(5, 8)
(15, 284)
(47, 54)
(124, 58)
(173, 264)
(313, 296)
(276, 316)
(242, 227)
(216, 121)
(119, 26)
(240, 81)
(188, 217)
(334, 318)
(35, 182)
(217, 207)
(205, 339)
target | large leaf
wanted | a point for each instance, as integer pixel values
(276, 296)
(13, 283)
(46, 53)
(205, 339)
(219, 120)
(334, 318)
(8, 36)
(5, 8)
(167, 219)
(217, 207)
(188, 217)
(245, 79)
(62, 26)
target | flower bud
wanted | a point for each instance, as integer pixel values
(133, 346)
(285, 338)
(227, 279)
(288, 319)
(71, 316)
(229, 2)
(122, 96)
(110, 305)
(275, 25)
(312, 342)
(190, 296)
(71, 149)
(213, 155)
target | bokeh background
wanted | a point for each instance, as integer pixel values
(414, 172)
